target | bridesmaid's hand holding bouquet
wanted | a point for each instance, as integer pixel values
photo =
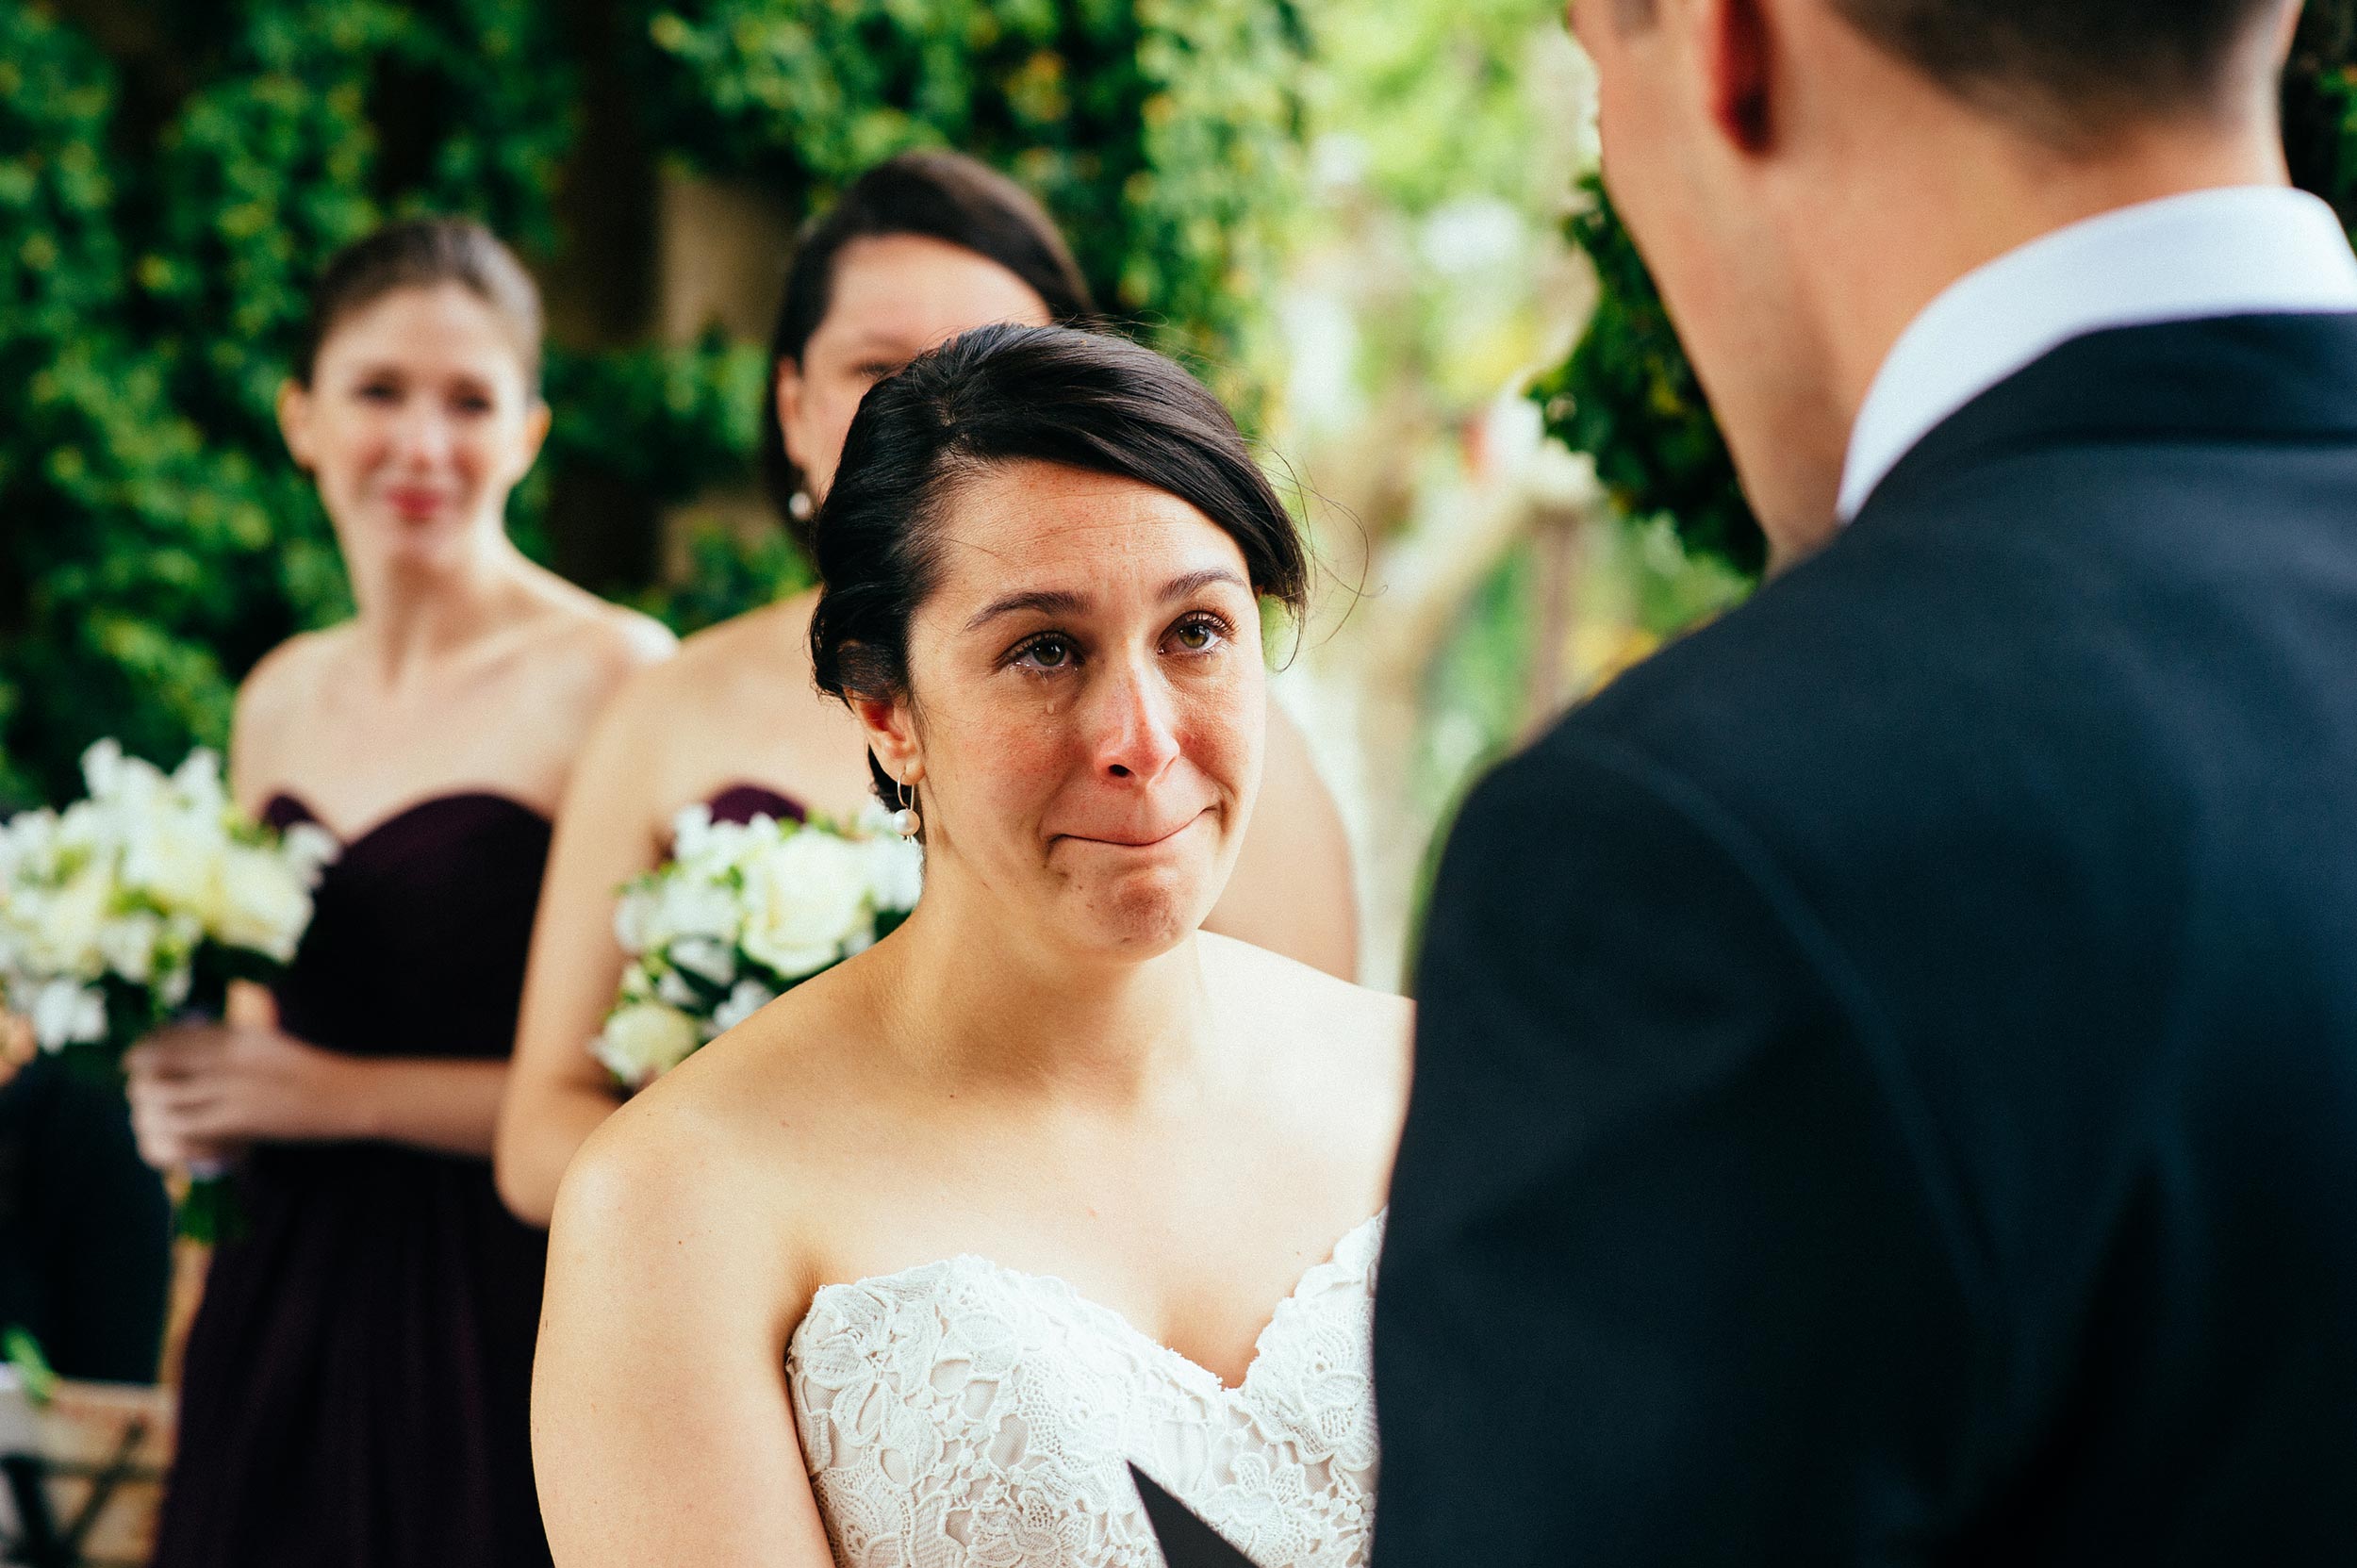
(138, 905)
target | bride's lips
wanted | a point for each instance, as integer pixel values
(1132, 841)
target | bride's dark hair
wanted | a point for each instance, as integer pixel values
(1004, 394)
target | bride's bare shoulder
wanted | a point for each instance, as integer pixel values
(1294, 1002)
(759, 1128)
(1271, 979)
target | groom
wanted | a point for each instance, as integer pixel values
(1887, 1088)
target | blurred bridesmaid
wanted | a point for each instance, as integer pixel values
(354, 1384)
(920, 248)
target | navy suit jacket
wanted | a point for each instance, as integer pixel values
(1886, 1086)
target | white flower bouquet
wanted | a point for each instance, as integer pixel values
(140, 905)
(741, 914)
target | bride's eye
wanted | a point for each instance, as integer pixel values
(1199, 633)
(1050, 652)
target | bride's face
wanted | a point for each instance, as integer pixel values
(1088, 706)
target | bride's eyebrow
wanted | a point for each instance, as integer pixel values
(1195, 581)
(1047, 602)
(1055, 602)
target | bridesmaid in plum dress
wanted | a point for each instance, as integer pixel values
(920, 248)
(354, 1388)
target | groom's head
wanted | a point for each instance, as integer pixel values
(1803, 176)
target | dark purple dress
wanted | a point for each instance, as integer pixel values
(742, 802)
(356, 1385)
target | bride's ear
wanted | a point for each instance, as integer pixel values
(891, 730)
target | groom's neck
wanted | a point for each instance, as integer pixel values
(1887, 236)
(1947, 215)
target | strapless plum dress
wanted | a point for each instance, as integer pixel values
(355, 1388)
(742, 802)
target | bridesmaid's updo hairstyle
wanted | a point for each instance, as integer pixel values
(931, 195)
(424, 252)
(1007, 394)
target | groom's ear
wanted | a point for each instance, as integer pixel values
(2286, 30)
(1733, 49)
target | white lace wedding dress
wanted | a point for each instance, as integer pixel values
(963, 1416)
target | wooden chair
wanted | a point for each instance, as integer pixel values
(83, 1473)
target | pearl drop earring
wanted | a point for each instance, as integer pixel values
(905, 821)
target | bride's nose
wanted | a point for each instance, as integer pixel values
(1132, 722)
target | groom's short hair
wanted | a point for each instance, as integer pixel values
(2067, 71)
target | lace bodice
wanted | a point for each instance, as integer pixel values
(963, 1416)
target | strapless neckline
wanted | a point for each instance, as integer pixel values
(966, 1414)
(392, 821)
(1316, 1275)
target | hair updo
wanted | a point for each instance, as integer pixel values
(930, 195)
(1005, 394)
(424, 252)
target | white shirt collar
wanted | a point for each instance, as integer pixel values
(2245, 251)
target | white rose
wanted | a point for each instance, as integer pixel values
(895, 872)
(129, 944)
(804, 899)
(63, 925)
(176, 858)
(638, 982)
(709, 851)
(671, 988)
(174, 985)
(691, 906)
(199, 785)
(307, 849)
(103, 767)
(706, 958)
(645, 1040)
(64, 1014)
(690, 830)
(264, 904)
(748, 998)
(634, 918)
(28, 844)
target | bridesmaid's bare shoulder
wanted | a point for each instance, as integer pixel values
(281, 692)
(580, 636)
(763, 650)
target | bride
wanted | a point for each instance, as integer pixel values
(906, 1268)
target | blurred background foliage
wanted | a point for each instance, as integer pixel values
(1376, 231)
(172, 172)
(1162, 134)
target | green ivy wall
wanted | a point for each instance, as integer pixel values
(172, 174)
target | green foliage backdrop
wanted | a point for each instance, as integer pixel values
(1164, 134)
(1628, 397)
(172, 174)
